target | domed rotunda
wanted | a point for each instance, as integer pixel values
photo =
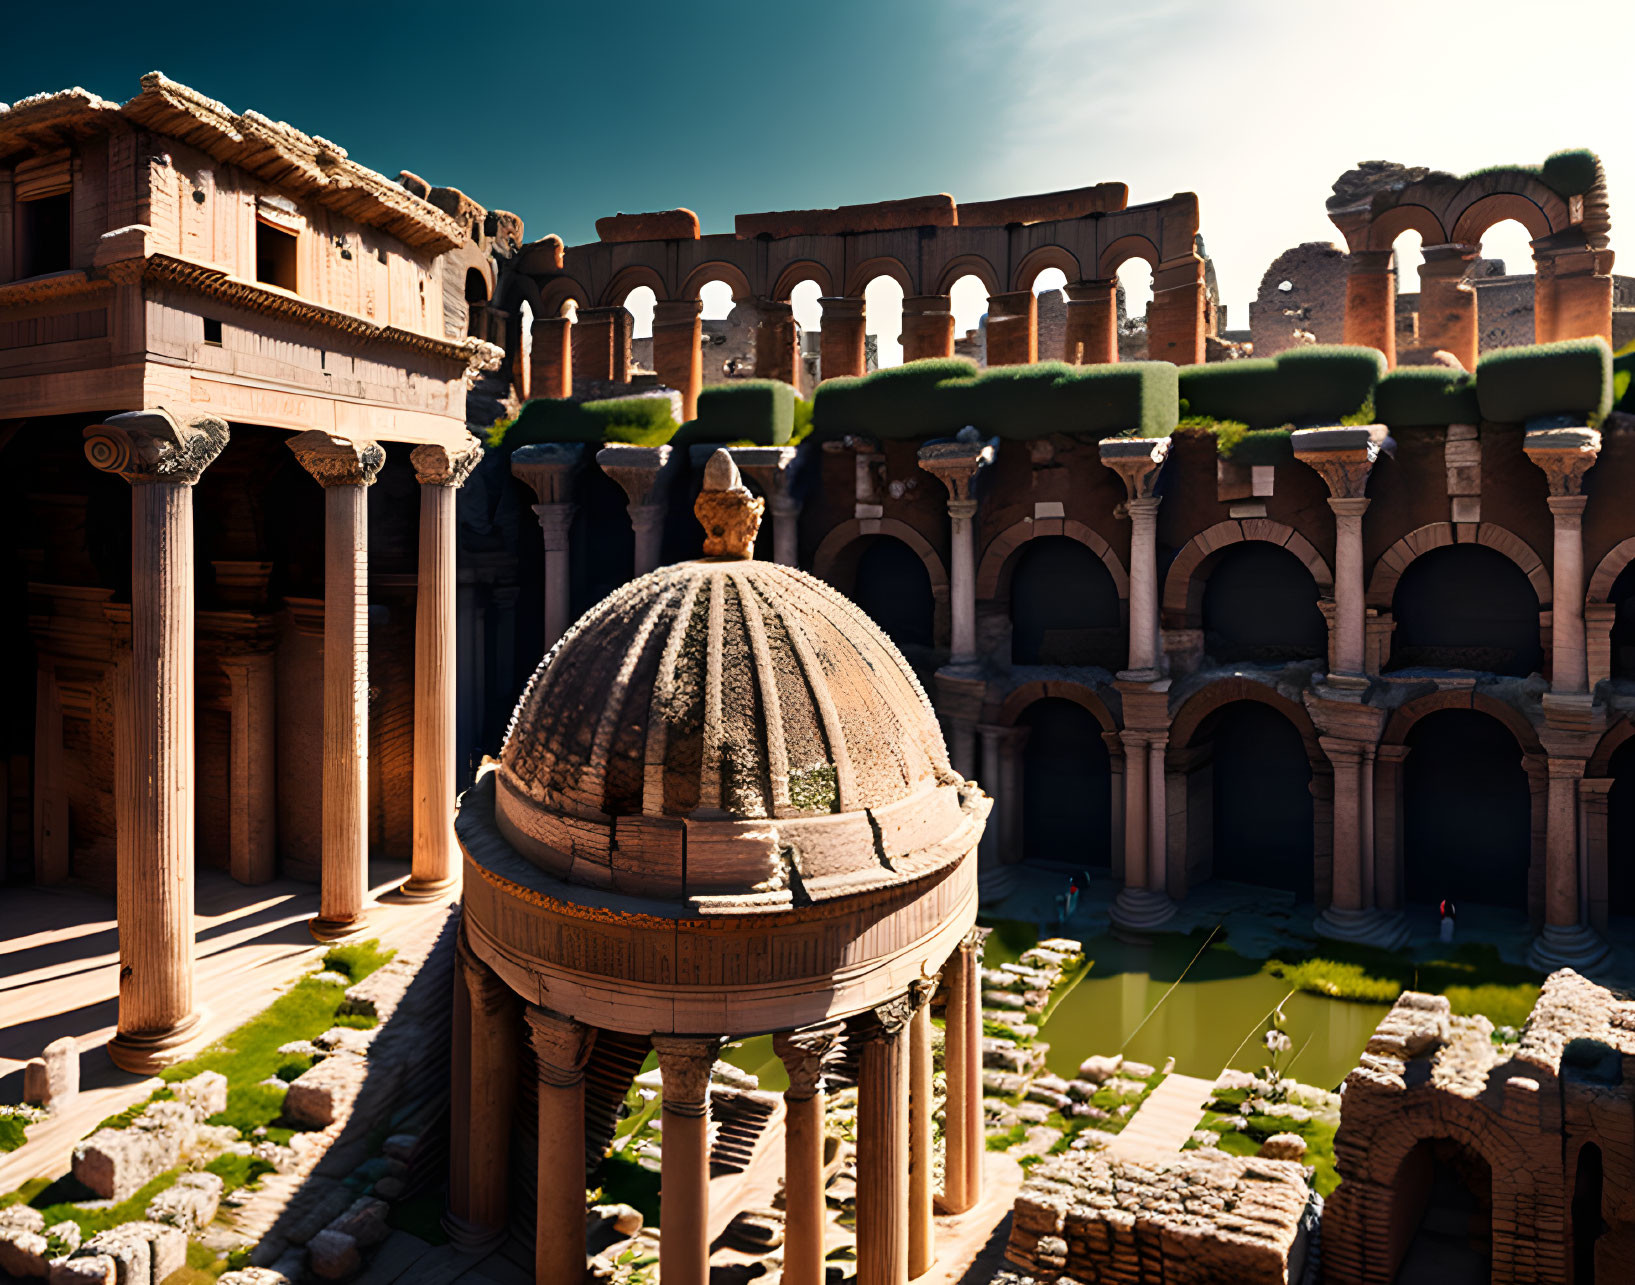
(723, 809)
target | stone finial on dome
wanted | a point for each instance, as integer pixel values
(730, 514)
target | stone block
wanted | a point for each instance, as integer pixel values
(21, 1218)
(66, 1235)
(116, 1163)
(167, 1247)
(379, 994)
(333, 1256)
(254, 1276)
(132, 1255)
(93, 1269)
(364, 1221)
(52, 1080)
(402, 1146)
(205, 1094)
(191, 1204)
(23, 1253)
(325, 1093)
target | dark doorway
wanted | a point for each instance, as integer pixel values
(894, 587)
(1442, 1216)
(1066, 786)
(476, 298)
(1621, 831)
(1260, 605)
(1623, 623)
(1587, 1224)
(1466, 812)
(1262, 798)
(1465, 606)
(1064, 607)
(602, 545)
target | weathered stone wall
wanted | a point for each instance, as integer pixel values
(1301, 300)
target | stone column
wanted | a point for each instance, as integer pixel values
(955, 464)
(882, 1147)
(1137, 798)
(548, 468)
(840, 341)
(643, 474)
(552, 361)
(1092, 322)
(1566, 940)
(252, 767)
(1344, 457)
(1157, 817)
(1138, 462)
(1387, 828)
(1371, 302)
(345, 469)
(1175, 318)
(440, 471)
(805, 1213)
(562, 1047)
(593, 340)
(1447, 301)
(161, 456)
(1565, 455)
(677, 329)
(964, 1141)
(922, 1248)
(772, 469)
(483, 1101)
(928, 327)
(684, 1248)
(1349, 732)
(1013, 329)
(777, 341)
(1573, 299)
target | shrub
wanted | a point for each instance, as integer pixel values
(1315, 385)
(898, 403)
(1426, 397)
(758, 411)
(635, 421)
(1623, 379)
(12, 1133)
(1571, 377)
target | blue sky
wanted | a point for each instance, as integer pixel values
(566, 111)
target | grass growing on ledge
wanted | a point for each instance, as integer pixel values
(1473, 977)
(1255, 1129)
(12, 1133)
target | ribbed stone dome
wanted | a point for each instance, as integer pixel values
(701, 702)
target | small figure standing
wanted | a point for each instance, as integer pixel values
(1448, 915)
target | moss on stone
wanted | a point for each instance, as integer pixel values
(759, 412)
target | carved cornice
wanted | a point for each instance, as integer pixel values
(1138, 462)
(562, 1046)
(685, 1063)
(58, 285)
(155, 445)
(956, 464)
(802, 1053)
(1564, 455)
(337, 461)
(445, 465)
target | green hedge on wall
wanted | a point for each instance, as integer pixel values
(636, 421)
(1312, 386)
(1571, 377)
(1426, 397)
(938, 398)
(761, 411)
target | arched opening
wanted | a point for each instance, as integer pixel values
(1260, 605)
(1587, 1222)
(1066, 786)
(1621, 831)
(1064, 606)
(804, 303)
(883, 328)
(968, 301)
(1467, 812)
(716, 296)
(1134, 298)
(1441, 1215)
(1622, 596)
(1258, 779)
(476, 300)
(1466, 606)
(1508, 247)
(640, 304)
(1503, 279)
(893, 586)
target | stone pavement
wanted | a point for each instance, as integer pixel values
(1165, 1121)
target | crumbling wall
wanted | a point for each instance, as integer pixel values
(1301, 300)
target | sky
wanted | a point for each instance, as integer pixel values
(565, 111)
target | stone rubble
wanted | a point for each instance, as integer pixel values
(52, 1080)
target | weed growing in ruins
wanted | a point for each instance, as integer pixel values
(1474, 978)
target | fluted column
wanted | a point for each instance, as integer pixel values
(487, 1047)
(956, 464)
(1092, 322)
(1138, 461)
(963, 1138)
(161, 456)
(252, 831)
(677, 329)
(345, 469)
(1447, 301)
(440, 471)
(643, 474)
(922, 1248)
(684, 1245)
(802, 1053)
(1013, 329)
(562, 1047)
(1371, 302)
(549, 469)
(841, 340)
(928, 327)
(882, 1147)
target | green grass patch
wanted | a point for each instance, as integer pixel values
(1473, 976)
(124, 1119)
(1318, 1136)
(64, 1201)
(623, 1181)
(1008, 1138)
(12, 1133)
(237, 1171)
(1568, 173)
(1007, 940)
(633, 421)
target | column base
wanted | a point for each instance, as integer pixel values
(1141, 909)
(1383, 928)
(1576, 946)
(995, 883)
(412, 889)
(144, 1052)
(470, 1237)
(337, 929)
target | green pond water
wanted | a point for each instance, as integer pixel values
(1125, 1003)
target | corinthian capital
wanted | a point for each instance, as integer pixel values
(956, 463)
(156, 445)
(337, 461)
(685, 1063)
(1342, 457)
(561, 1046)
(1565, 455)
(1137, 460)
(445, 465)
(802, 1053)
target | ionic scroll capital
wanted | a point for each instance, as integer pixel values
(156, 445)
